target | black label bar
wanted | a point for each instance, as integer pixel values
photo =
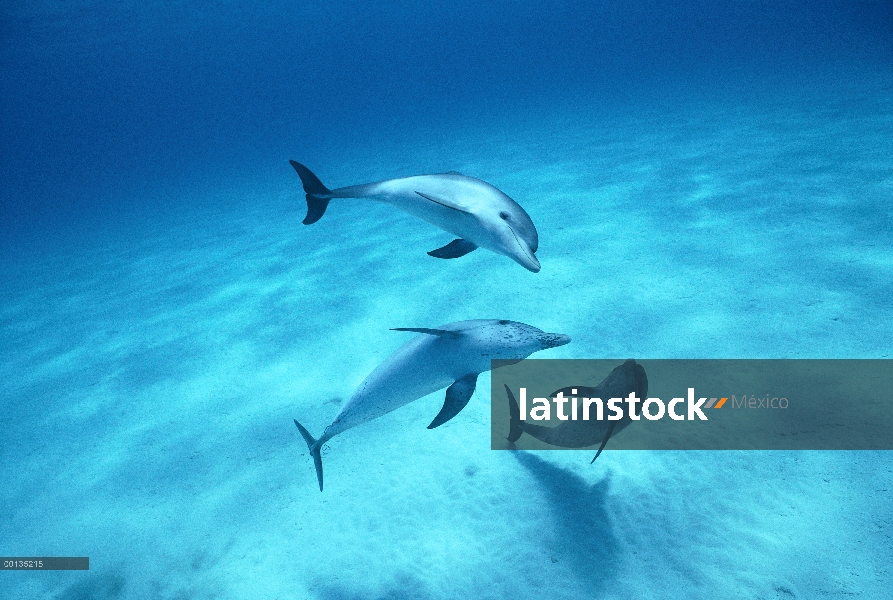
(44, 563)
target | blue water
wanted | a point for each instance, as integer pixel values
(708, 180)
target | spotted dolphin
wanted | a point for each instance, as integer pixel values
(451, 355)
(475, 211)
(623, 380)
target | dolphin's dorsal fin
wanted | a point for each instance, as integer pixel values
(457, 396)
(454, 249)
(442, 202)
(450, 335)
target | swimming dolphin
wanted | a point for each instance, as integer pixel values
(472, 209)
(451, 355)
(624, 379)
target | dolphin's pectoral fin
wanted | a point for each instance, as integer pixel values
(442, 202)
(457, 396)
(454, 249)
(604, 441)
(450, 335)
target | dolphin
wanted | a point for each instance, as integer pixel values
(475, 211)
(624, 379)
(451, 355)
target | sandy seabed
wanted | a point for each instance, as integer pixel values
(149, 385)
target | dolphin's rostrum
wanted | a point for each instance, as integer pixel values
(450, 355)
(475, 211)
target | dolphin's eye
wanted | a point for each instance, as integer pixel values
(504, 216)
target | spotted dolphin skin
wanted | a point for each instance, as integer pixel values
(475, 211)
(451, 355)
(623, 380)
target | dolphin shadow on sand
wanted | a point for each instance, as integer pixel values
(582, 533)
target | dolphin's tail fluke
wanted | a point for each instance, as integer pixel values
(314, 446)
(515, 426)
(315, 190)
